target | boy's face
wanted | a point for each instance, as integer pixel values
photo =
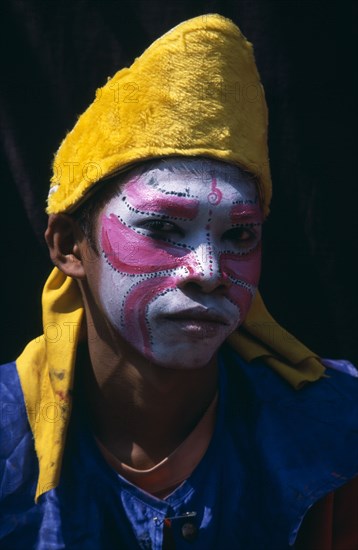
(180, 259)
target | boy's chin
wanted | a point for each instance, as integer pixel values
(183, 361)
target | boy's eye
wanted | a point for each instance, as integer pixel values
(159, 227)
(242, 236)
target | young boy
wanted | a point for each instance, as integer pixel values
(160, 407)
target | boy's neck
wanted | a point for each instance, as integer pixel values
(141, 411)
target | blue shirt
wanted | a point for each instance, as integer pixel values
(274, 452)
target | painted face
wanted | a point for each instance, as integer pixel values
(180, 259)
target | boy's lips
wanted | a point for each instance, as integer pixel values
(198, 315)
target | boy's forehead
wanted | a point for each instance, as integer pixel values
(192, 176)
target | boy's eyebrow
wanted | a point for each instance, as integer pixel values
(175, 207)
(244, 213)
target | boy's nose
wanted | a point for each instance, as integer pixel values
(204, 269)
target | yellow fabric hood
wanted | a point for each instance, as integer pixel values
(194, 91)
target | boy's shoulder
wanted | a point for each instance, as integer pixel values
(13, 416)
(18, 461)
(16, 436)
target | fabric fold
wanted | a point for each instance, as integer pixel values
(46, 371)
(261, 337)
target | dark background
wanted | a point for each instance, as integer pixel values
(55, 54)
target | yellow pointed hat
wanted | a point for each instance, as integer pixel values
(194, 91)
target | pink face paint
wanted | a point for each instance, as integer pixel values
(153, 200)
(215, 196)
(165, 252)
(136, 327)
(131, 253)
(243, 213)
(244, 272)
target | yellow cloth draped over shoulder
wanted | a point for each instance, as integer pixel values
(194, 92)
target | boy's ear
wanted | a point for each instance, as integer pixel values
(62, 240)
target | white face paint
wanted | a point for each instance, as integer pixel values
(180, 258)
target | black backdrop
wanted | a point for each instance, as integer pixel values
(53, 56)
